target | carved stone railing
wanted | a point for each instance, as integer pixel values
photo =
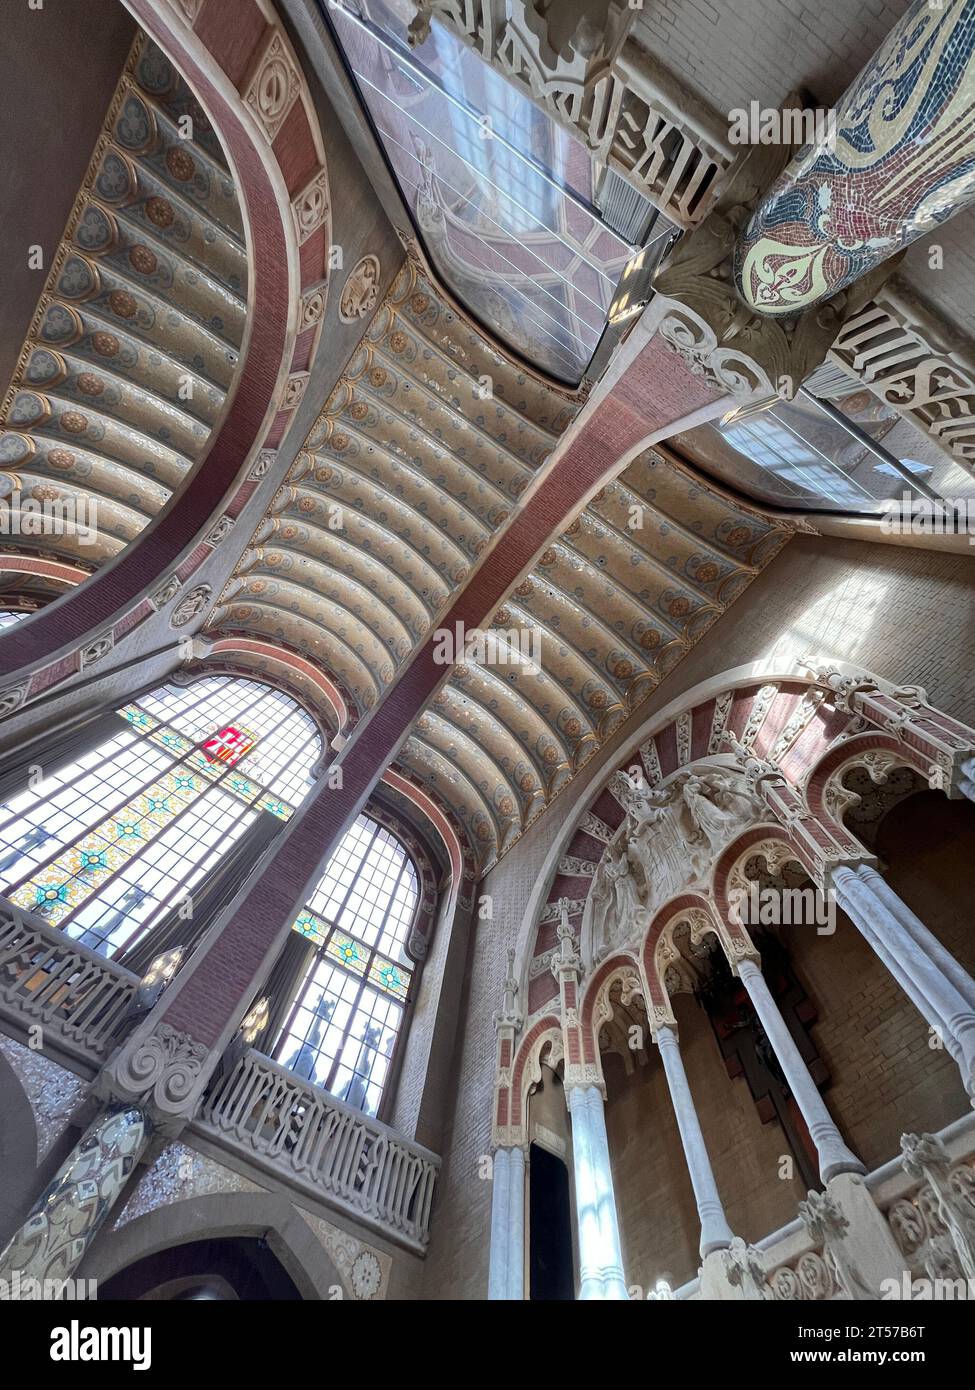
(79, 999)
(902, 353)
(934, 1231)
(301, 1134)
(802, 1271)
(629, 111)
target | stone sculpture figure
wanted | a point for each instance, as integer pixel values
(615, 897)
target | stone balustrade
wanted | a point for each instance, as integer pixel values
(299, 1133)
(79, 999)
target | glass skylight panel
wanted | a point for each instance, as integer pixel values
(500, 193)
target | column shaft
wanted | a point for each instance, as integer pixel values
(72, 1208)
(870, 181)
(919, 933)
(600, 1255)
(516, 1227)
(834, 1156)
(500, 1202)
(715, 1232)
(936, 997)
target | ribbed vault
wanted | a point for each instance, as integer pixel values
(424, 448)
(420, 454)
(613, 604)
(136, 339)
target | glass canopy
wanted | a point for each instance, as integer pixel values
(501, 195)
(794, 454)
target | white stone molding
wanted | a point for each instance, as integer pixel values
(274, 85)
(898, 349)
(360, 293)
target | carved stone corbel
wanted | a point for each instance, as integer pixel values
(720, 337)
(925, 1156)
(162, 1071)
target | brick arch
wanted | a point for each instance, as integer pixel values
(851, 753)
(602, 980)
(216, 47)
(513, 1100)
(731, 855)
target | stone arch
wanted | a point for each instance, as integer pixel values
(269, 1215)
(879, 754)
(596, 1008)
(543, 1041)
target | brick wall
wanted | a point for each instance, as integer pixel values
(887, 1079)
(658, 1219)
(897, 611)
(731, 51)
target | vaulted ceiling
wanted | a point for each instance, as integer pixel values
(136, 338)
(423, 449)
(408, 471)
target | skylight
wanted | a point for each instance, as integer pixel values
(501, 195)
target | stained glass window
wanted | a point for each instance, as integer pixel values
(105, 847)
(347, 1015)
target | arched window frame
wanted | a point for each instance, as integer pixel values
(298, 1046)
(153, 717)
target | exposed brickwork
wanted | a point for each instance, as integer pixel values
(730, 52)
(659, 1225)
(893, 610)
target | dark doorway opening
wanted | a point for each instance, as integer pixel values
(229, 1268)
(550, 1217)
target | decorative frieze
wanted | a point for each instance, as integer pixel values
(897, 349)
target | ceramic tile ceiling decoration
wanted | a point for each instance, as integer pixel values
(407, 472)
(614, 604)
(135, 342)
(403, 479)
(500, 193)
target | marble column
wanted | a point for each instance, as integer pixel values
(506, 1277)
(895, 159)
(919, 933)
(966, 783)
(716, 1234)
(938, 999)
(834, 1156)
(72, 1208)
(600, 1253)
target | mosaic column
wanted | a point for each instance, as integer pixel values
(716, 1234)
(894, 160)
(834, 1156)
(72, 1208)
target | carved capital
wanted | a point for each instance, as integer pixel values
(162, 1071)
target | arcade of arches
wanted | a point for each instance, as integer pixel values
(487, 732)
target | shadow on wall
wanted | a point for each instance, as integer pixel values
(18, 1152)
